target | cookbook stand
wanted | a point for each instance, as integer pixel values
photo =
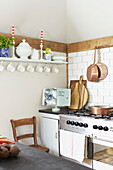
(55, 109)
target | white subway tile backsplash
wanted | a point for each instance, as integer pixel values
(108, 56)
(82, 65)
(111, 62)
(105, 50)
(88, 58)
(111, 77)
(98, 99)
(70, 72)
(92, 92)
(103, 92)
(70, 60)
(108, 100)
(100, 92)
(90, 52)
(110, 70)
(77, 72)
(77, 60)
(72, 55)
(82, 53)
(90, 98)
(108, 85)
(89, 84)
(72, 66)
(111, 92)
(97, 85)
(111, 49)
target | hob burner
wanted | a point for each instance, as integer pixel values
(88, 113)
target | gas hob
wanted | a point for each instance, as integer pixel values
(85, 123)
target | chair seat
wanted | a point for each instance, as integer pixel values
(40, 148)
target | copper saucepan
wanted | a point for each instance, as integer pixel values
(93, 71)
(101, 110)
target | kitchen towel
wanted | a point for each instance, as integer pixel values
(78, 146)
(72, 145)
(66, 143)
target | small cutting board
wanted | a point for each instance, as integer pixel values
(79, 93)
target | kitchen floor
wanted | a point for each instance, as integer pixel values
(100, 161)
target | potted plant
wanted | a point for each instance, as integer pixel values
(47, 55)
(5, 43)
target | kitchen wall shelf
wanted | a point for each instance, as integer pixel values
(31, 61)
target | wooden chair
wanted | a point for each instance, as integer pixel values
(27, 121)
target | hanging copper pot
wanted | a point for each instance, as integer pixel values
(93, 71)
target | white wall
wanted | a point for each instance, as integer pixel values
(101, 92)
(21, 93)
(30, 16)
(89, 19)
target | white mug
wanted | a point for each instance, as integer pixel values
(47, 69)
(1, 67)
(55, 70)
(10, 68)
(20, 68)
(39, 69)
(30, 68)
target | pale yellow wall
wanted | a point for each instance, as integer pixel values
(21, 94)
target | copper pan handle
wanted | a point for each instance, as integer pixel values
(98, 55)
(94, 56)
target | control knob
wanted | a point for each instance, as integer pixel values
(72, 122)
(85, 125)
(68, 122)
(81, 124)
(106, 128)
(100, 127)
(95, 126)
(76, 124)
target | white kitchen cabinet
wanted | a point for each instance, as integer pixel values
(49, 133)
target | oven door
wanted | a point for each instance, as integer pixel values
(102, 152)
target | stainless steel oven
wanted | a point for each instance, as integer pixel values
(88, 140)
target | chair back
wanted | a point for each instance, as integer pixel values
(21, 122)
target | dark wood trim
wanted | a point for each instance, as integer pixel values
(90, 44)
(35, 43)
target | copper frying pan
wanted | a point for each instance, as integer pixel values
(101, 110)
(102, 68)
(93, 71)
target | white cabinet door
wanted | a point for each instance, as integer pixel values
(49, 134)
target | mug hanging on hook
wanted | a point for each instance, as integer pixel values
(39, 69)
(1, 67)
(10, 68)
(47, 69)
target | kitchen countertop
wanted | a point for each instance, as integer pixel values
(33, 159)
(63, 110)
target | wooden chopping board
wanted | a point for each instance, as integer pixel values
(79, 93)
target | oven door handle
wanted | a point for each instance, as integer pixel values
(102, 141)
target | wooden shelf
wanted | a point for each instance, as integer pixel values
(31, 61)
